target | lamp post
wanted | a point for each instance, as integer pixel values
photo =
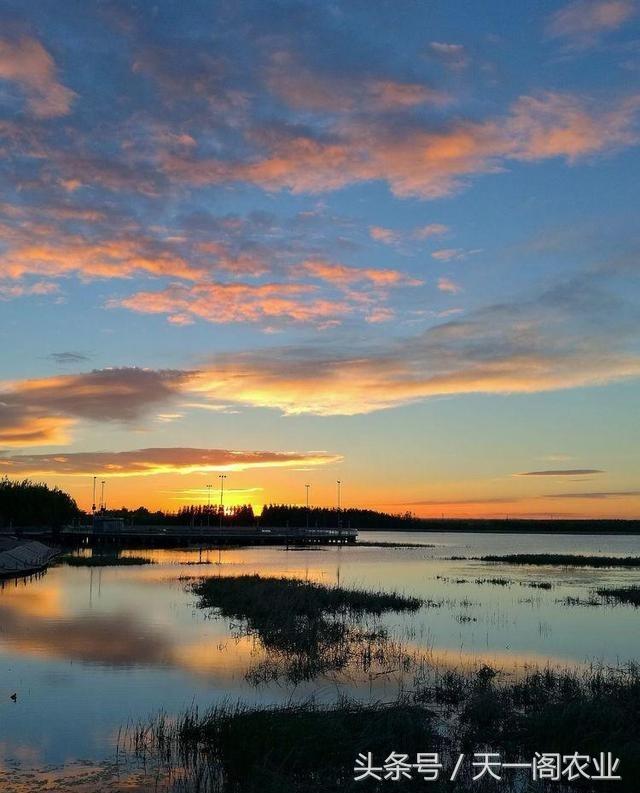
(339, 512)
(93, 505)
(208, 503)
(307, 488)
(103, 505)
(222, 477)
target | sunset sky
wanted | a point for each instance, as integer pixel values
(392, 243)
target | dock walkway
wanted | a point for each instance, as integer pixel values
(209, 535)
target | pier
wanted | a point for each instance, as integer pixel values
(115, 533)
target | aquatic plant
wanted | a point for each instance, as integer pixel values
(564, 560)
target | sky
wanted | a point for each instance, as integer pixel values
(393, 244)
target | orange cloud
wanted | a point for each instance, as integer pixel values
(26, 63)
(18, 428)
(148, 462)
(235, 302)
(557, 125)
(341, 274)
(417, 161)
(116, 258)
(511, 348)
(41, 411)
(365, 384)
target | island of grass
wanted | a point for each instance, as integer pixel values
(562, 560)
(103, 561)
(256, 596)
(306, 629)
(625, 594)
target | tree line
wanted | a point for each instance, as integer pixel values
(25, 503)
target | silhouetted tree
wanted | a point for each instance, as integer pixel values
(26, 503)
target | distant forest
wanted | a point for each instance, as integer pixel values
(27, 503)
(271, 515)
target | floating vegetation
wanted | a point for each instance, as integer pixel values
(626, 594)
(495, 581)
(106, 560)
(307, 629)
(571, 600)
(563, 560)
(383, 544)
(538, 584)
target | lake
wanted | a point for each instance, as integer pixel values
(88, 650)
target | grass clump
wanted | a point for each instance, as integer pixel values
(256, 597)
(103, 561)
(564, 560)
(305, 748)
(302, 748)
(626, 594)
(307, 629)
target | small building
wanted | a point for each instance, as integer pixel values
(103, 524)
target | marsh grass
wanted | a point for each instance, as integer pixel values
(626, 594)
(307, 629)
(563, 560)
(103, 561)
(255, 596)
(306, 747)
(301, 748)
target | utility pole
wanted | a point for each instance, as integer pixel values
(222, 477)
(208, 503)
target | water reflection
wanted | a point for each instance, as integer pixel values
(87, 649)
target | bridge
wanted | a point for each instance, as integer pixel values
(115, 533)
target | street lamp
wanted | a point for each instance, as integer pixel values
(208, 503)
(93, 505)
(307, 488)
(222, 477)
(103, 505)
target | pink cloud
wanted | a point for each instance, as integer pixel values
(431, 230)
(149, 462)
(447, 285)
(583, 21)
(26, 63)
(448, 254)
(382, 234)
(417, 161)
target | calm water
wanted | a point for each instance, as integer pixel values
(87, 650)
